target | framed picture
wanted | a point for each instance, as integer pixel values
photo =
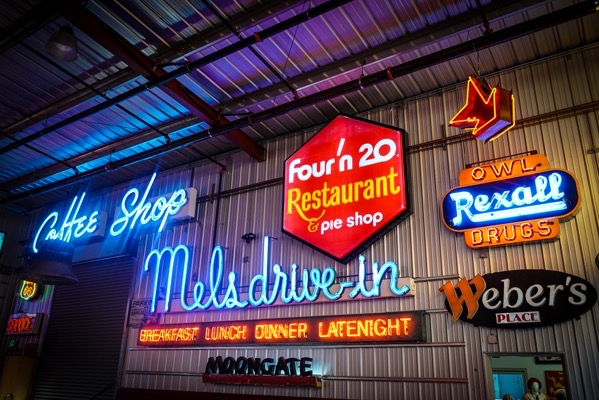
(554, 380)
(548, 359)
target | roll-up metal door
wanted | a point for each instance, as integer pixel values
(82, 348)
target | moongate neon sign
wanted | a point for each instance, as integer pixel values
(272, 285)
(510, 202)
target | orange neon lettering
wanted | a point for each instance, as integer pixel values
(406, 325)
(478, 173)
(467, 297)
(351, 329)
(169, 335)
(544, 228)
(293, 330)
(503, 166)
(231, 332)
(380, 327)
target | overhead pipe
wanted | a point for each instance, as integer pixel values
(483, 42)
(217, 55)
(110, 40)
(408, 42)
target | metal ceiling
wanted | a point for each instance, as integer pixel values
(158, 84)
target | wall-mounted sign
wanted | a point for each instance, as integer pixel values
(261, 371)
(139, 312)
(273, 285)
(409, 326)
(84, 222)
(510, 202)
(29, 290)
(519, 299)
(345, 187)
(24, 324)
(488, 112)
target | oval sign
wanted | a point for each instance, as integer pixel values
(547, 194)
(519, 299)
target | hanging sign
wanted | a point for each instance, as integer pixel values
(488, 112)
(509, 202)
(519, 299)
(345, 187)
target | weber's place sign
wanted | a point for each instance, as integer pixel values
(519, 299)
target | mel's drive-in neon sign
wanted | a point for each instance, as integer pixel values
(345, 187)
(519, 299)
(510, 202)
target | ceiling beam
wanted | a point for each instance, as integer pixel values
(251, 16)
(159, 81)
(136, 60)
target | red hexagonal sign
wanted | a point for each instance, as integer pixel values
(346, 187)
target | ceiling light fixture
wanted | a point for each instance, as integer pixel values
(63, 45)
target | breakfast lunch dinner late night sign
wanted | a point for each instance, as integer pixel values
(345, 187)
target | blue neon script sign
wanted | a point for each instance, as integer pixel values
(73, 225)
(547, 194)
(135, 210)
(272, 285)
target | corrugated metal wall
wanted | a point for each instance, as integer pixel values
(454, 363)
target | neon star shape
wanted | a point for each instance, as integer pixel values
(488, 112)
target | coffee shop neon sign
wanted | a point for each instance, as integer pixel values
(135, 211)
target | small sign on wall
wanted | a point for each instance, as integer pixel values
(24, 324)
(519, 299)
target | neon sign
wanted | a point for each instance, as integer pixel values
(261, 371)
(344, 186)
(510, 202)
(522, 298)
(145, 211)
(73, 226)
(24, 324)
(135, 211)
(489, 113)
(409, 326)
(29, 290)
(172, 335)
(276, 285)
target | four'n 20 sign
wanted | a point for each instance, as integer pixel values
(346, 187)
